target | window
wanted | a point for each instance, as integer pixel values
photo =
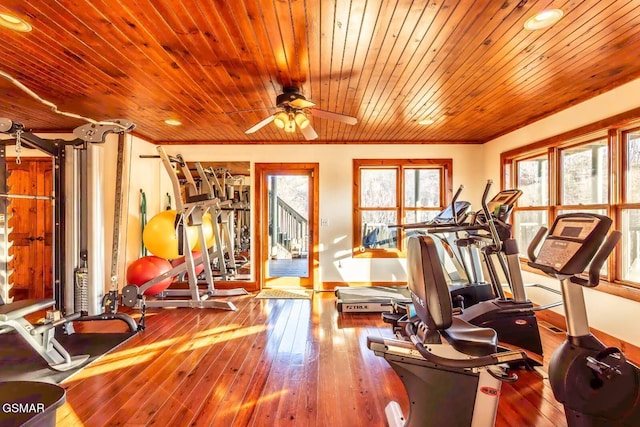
(596, 173)
(391, 192)
(533, 179)
(630, 208)
(584, 174)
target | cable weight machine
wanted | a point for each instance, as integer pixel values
(77, 212)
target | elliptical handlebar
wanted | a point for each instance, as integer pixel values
(464, 206)
(453, 204)
(490, 218)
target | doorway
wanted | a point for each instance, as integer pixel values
(31, 224)
(287, 196)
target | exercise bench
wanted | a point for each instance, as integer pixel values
(40, 337)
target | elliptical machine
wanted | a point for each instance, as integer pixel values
(512, 318)
(595, 383)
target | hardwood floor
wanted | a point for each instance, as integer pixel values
(271, 363)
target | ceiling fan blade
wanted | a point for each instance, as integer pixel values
(309, 133)
(250, 110)
(301, 103)
(334, 116)
(260, 125)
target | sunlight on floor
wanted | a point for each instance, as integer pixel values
(217, 330)
(67, 416)
(233, 409)
(205, 341)
(142, 354)
(102, 367)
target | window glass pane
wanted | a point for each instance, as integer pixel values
(411, 217)
(507, 175)
(631, 245)
(375, 233)
(527, 224)
(377, 188)
(533, 180)
(633, 168)
(421, 188)
(585, 174)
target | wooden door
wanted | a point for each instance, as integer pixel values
(271, 238)
(31, 224)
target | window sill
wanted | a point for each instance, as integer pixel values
(622, 290)
(378, 253)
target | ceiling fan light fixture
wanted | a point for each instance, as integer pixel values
(14, 23)
(172, 122)
(426, 121)
(544, 19)
(301, 120)
(281, 120)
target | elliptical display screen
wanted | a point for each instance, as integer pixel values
(505, 197)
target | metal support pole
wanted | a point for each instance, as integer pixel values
(95, 228)
(575, 309)
(72, 211)
(58, 240)
(5, 287)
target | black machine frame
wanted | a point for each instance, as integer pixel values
(57, 150)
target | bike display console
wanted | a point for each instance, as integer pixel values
(571, 244)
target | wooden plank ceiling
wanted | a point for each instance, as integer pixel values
(217, 66)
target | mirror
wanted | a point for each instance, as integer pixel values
(230, 183)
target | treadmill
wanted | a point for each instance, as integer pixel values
(380, 299)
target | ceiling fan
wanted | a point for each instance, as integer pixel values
(293, 111)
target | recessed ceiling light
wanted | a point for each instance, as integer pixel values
(544, 19)
(14, 23)
(173, 122)
(426, 121)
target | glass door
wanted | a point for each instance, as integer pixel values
(287, 226)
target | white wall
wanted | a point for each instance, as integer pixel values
(145, 174)
(607, 313)
(336, 180)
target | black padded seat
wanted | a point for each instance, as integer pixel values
(470, 339)
(19, 309)
(432, 301)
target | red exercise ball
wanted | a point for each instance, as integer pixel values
(147, 268)
(196, 255)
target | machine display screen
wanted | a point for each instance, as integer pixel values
(575, 228)
(571, 232)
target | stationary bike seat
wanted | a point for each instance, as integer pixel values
(470, 339)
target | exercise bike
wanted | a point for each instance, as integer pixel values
(452, 370)
(596, 384)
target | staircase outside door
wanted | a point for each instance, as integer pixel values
(287, 195)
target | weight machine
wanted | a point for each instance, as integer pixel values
(76, 243)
